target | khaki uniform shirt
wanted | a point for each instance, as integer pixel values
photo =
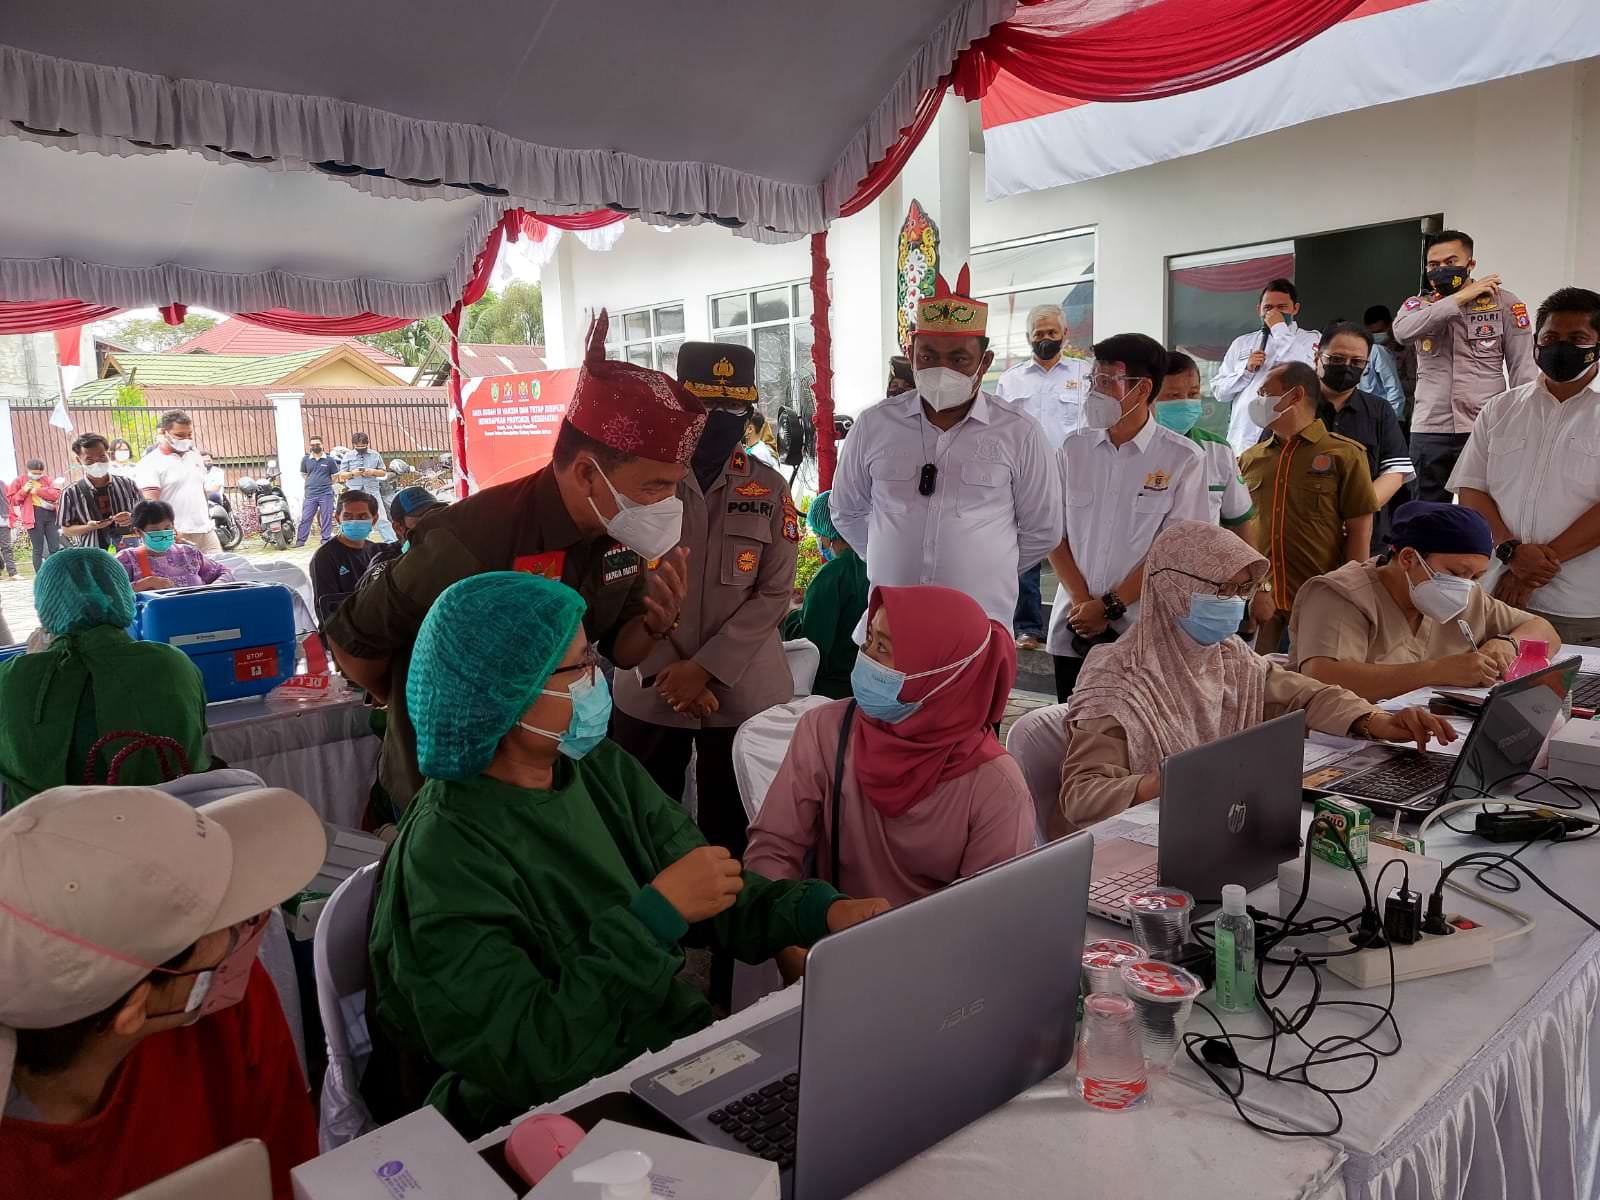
(742, 536)
(1097, 783)
(1305, 489)
(1349, 615)
(1464, 355)
(517, 526)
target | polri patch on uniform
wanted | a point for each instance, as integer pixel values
(1519, 314)
(1322, 464)
(753, 490)
(618, 563)
(1412, 304)
(746, 561)
(756, 508)
(791, 520)
(549, 564)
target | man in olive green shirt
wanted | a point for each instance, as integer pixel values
(1313, 492)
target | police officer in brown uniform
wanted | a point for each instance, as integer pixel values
(723, 662)
(1469, 335)
(603, 517)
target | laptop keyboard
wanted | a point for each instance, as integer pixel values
(1111, 890)
(763, 1122)
(1586, 691)
(1398, 781)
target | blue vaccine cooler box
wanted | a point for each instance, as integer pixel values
(240, 635)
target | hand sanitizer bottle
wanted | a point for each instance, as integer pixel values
(1235, 939)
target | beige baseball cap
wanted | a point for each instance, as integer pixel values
(98, 885)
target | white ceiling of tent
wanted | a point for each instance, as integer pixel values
(756, 114)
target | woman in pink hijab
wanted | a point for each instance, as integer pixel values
(928, 795)
(1180, 679)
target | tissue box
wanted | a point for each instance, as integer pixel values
(681, 1169)
(418, 1157)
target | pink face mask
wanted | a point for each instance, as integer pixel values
(223, 985)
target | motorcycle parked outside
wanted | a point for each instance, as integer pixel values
(229, 532)
(272, 507)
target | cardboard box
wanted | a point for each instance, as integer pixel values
(418, 1157)
(679, 1168)
(1353, 819)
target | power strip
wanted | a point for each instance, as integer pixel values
(1435, 954)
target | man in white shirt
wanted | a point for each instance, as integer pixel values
(945, 484)
(1254, 354)
(1050, 389)
(1125, 478)
(1532, 468)
(175, 473)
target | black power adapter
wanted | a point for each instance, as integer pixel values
(1402, 916)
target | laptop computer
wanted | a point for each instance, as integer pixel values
(1230, 813)
(239, 1172)
(1586, 690)
(912, 1025)
(1505, 741)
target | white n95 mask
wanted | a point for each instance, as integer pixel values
(943, 388)
(649, 530)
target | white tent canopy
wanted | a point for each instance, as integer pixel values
(121, 180)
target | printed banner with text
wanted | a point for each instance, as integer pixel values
(511, 423)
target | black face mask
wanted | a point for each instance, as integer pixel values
(723, 431)
(1341, 377)
(1046, 348)
(1564, 362)
(1447, 280)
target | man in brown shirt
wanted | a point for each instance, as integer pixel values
(723, 661)
(1390, 626)
(597, 518)
(1313, 491)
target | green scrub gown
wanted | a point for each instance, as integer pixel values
(516, 940)
(833, 605)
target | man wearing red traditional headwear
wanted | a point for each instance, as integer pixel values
(603, 517)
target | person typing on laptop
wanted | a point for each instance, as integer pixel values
(927, 795)
(1182, 679)
(528, 930)
(1386, 627)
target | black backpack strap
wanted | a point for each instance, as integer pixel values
(838, 791)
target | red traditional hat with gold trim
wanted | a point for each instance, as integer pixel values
(953, 314)
(632, 409)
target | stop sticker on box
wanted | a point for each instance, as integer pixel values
(258, 662)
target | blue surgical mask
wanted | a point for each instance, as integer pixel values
(356, 531)
(591, 717)
(826, 552)
(160, 540)
(1212, 619)
(877, 687)
(1177, 415)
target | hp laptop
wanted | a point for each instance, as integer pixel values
(913, 1025)
(1230, 813)
(1511, 728)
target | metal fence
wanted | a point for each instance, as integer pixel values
(237, 436)
(412, 430)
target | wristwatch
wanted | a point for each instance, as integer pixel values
(1507, 549)
(1115, 608)
(1361, 727)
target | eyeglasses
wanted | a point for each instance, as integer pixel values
(1229, 590)
(1339, 360)
(1099, 380)
(587, 665)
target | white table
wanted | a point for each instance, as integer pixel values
(323, 750)
(1180, 1144)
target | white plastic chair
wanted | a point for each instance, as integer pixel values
(761, 743)
(1038, 741)
(804, 658)
(339, 955)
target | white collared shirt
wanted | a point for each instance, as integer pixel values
(181, 479)
(1539, 460)
(1116, 499)
(1287, 343)
(1054, 398)
(995, 510)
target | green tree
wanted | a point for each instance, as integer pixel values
(515, 316)
(411, 343)
(152, 335)
(131, 420)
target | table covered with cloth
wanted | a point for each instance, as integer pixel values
(324, 750)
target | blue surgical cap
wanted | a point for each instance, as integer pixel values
(820, 519)
(1432, 528)
(80, 588)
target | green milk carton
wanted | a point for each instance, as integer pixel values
(1350, 817)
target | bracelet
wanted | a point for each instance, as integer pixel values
(1115, 608)
(667, 632)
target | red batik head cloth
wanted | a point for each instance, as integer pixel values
(632, 409)
(953, 314)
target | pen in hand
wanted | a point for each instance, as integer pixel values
(1466, 632)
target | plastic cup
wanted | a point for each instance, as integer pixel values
(1162, 996)
(1161, 919)
(1103, 961)
(1111, 1069)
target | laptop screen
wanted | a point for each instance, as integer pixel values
(1509, 732)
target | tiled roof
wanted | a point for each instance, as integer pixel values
(494, 358)
(234, 336)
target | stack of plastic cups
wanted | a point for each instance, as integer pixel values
(1111, 1067)
(1161, 919)
(1103, 961)
(1162, 996)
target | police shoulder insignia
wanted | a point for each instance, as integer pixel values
(791, 521)
(1412, 304)
(739, 464)
(753, 489)
(1485, 303)
(1519, 313)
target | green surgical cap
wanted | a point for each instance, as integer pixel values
(819, 517)
(484, 651)
(79, 589)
